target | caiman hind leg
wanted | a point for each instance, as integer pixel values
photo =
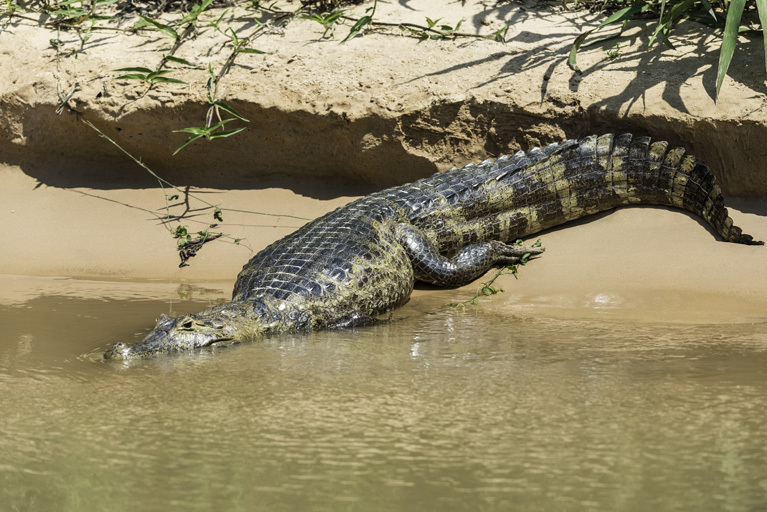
(468, 264)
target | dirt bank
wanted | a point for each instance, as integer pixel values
(330, 121)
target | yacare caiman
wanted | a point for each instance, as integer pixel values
(361, 260)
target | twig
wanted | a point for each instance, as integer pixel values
(163, 182)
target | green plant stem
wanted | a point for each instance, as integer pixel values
(165, 183)
(486, 288)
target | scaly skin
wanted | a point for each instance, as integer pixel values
(362, 260)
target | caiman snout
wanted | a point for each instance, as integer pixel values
(120, 350)
(178, 334)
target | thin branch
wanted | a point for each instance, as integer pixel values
(162, 181)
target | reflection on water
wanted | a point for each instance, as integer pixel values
(448, 410)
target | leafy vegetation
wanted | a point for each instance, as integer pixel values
(488, 287)
(187, 244)
(178, 21)
(720, 15)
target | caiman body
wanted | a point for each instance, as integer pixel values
(362, 260)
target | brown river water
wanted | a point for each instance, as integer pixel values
(439, 409)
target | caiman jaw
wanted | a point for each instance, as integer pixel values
(179, 334)
(120, 350)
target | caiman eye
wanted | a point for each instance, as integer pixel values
(186, 324)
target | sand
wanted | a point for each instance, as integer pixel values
(330, 122)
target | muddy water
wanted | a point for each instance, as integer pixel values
(437, 410)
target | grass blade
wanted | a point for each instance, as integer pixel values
(219, 125)
(616, 17)
(225, 133)
(249, 50)
(761, 6)
(709, 9)
(677, 11)
(185, 144)
(146, 71)
(160, 73)
(177, 60)
(165, 29)
(195, 130)
(227, 108)
(166, 80)
(361, 23)
(729, 40)
(132, 76)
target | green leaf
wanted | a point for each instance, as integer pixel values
(225, 133)
(709, 9)
(500, 34)
(761, 6)
(188, 141)
(661, 24)
(325, 21)
(217, 215)
(165, 29)
(227, 108)
(361, 23)
(249, 50)
(219, 124)
(729, 40)
(132, 70)
(234, 36)
(617, 17)
(177, 60)
(333, 17)
(131, 76)
(666, 21)
(195, 11)
(197, 130)
(167, 80)
(216, 23)
(159, 73)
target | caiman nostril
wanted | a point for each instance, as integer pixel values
(119, 350)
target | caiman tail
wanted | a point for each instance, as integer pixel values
(578, 178)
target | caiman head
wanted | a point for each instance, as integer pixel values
(185, 333)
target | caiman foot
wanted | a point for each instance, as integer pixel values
(513, 254)
(469, 263)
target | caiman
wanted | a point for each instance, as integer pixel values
(362, 260)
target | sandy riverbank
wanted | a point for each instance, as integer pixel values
(329, 122)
